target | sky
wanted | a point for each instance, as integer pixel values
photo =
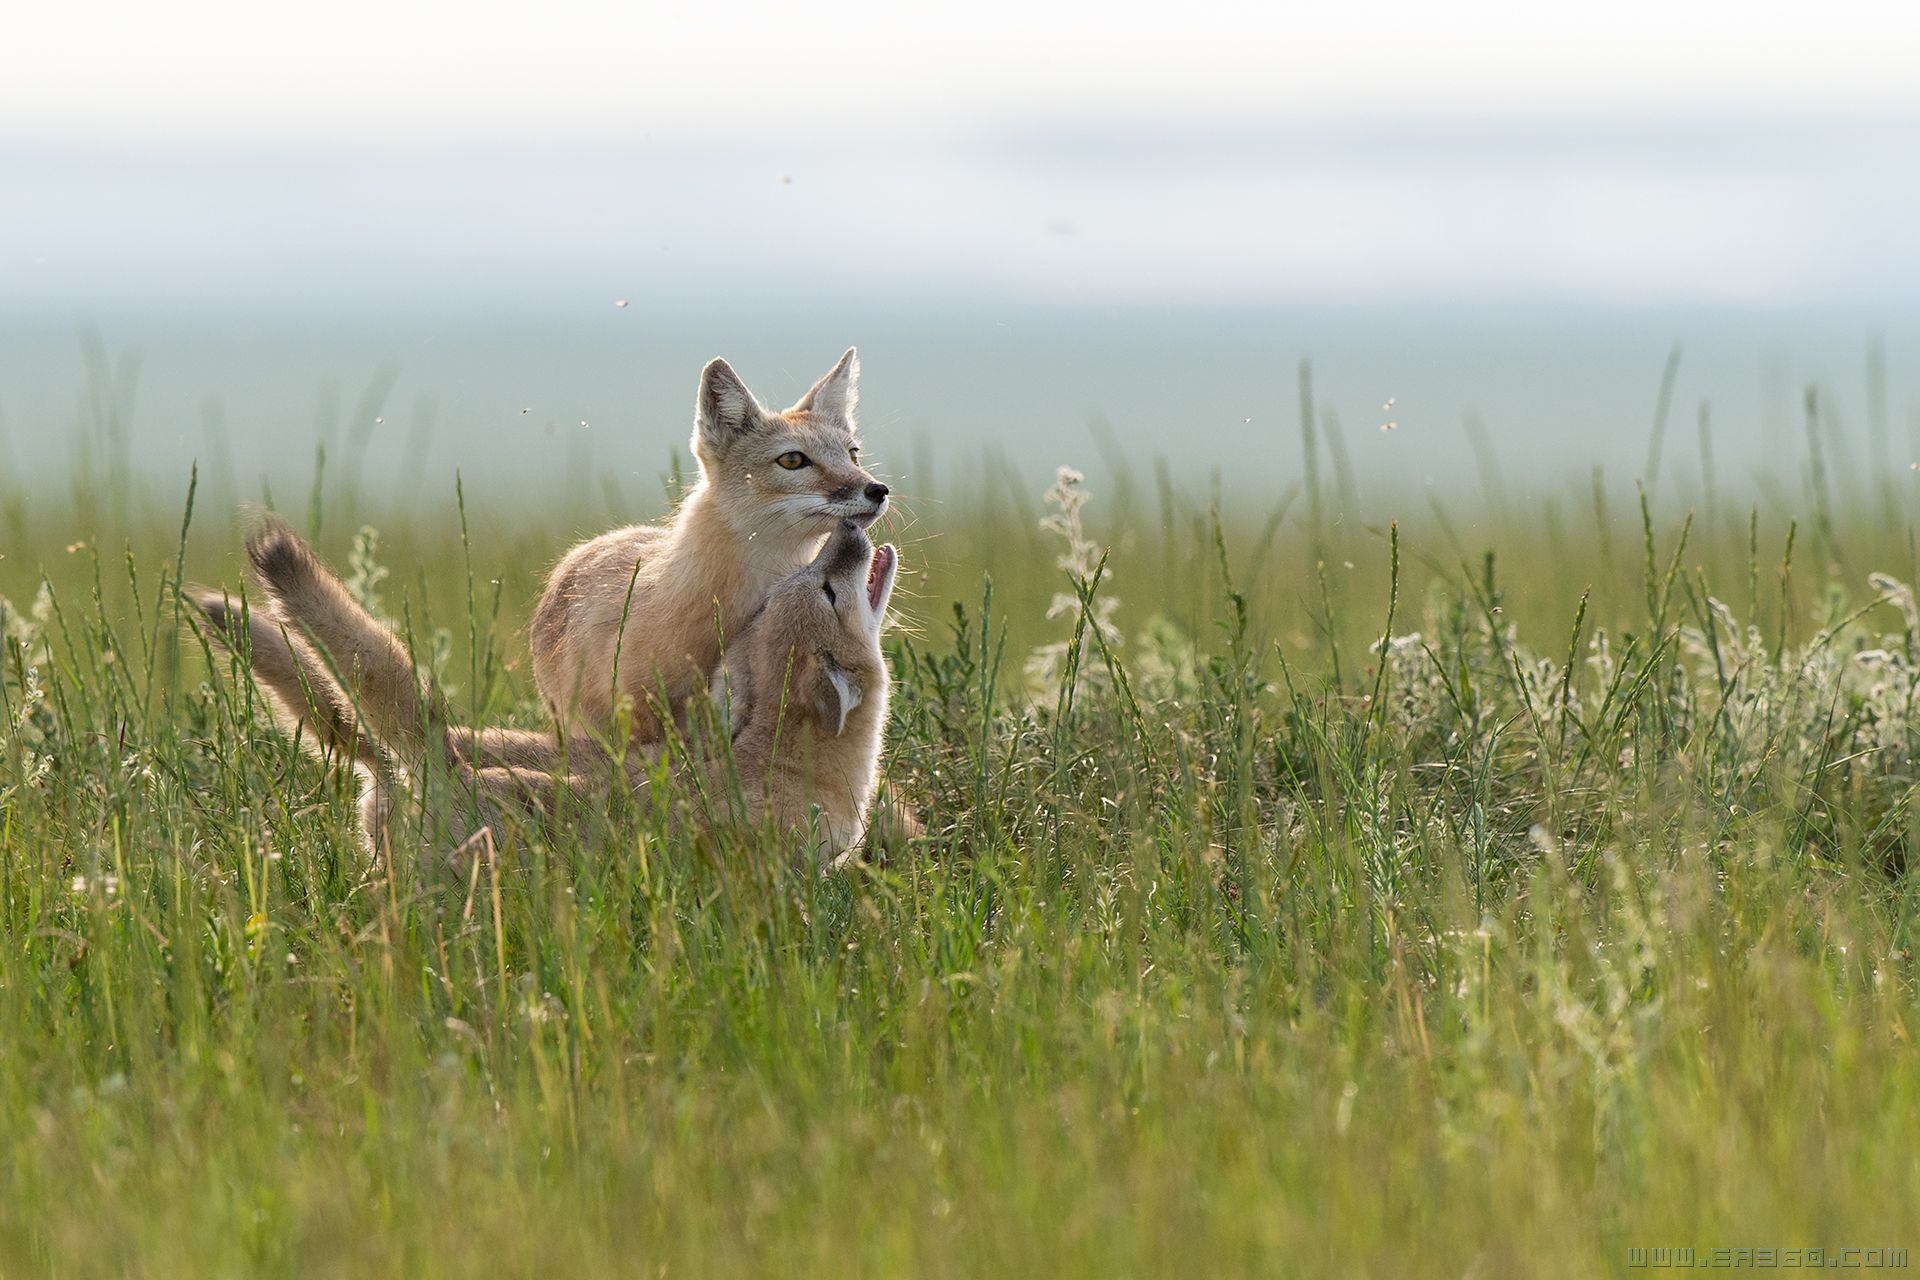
(383, 73)
(1124, 154)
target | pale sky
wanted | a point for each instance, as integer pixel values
(370, 71)
(1124, 153)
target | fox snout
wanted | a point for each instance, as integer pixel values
(870, 490)
(849, 548)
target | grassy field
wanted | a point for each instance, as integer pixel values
(1494, 893)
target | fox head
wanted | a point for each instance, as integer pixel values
(811, 655)
(788, 476)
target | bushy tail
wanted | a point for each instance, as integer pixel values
(402, 711)
(298, 688)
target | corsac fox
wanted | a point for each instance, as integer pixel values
(803, 693)
(645, 610)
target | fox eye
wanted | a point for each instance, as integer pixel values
(853, 454)
(793, 460)
(828, 588)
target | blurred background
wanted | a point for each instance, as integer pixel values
(1509, 239)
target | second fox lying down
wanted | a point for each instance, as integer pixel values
(803, 688)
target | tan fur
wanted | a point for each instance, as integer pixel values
(374, 668)
(810, 703)
(303, 699)
(345, 686)
(745, 525)
(299, 693)
(806, 680)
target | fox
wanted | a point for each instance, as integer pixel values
(801, 694)
(645, 610)
(304, 698)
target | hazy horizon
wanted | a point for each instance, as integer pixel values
(568, 403)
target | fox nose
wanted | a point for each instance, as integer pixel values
(877, 492)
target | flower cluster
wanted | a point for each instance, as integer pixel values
(1080, 560)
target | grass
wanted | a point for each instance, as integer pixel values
(1468, 898)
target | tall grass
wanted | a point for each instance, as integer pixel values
(1339, 895)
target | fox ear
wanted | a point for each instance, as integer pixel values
(835, 395)
(834, 695)
(724, 409)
